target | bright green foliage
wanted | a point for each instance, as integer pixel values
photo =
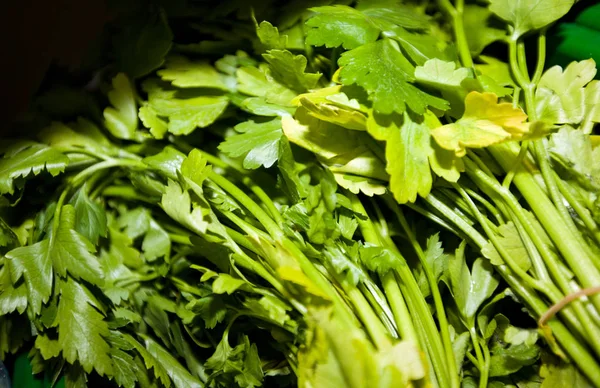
(25, 157)
(526, 15)
(82, 331)
(387, 76)
(289, 70)
(184, 73)
(121, 118)
(258, 143)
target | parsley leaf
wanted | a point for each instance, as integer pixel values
(184, 73)
(289, 70)
(258, 143)
(485, 122)
(527, 15)
(82, 331)
(121, 118)
(25, 157)
(387, 76)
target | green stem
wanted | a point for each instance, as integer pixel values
(277, 234)
(575, 255)
(581, 211)
(435, 292)
(522, 60)
(485, 371)
(541, 58)
(478, 355)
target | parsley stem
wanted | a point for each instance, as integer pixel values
(478, 357)
(541, 57)
(522, 60)
(277, 234)
(583, 213)
(435, 292)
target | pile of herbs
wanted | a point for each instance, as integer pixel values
(313, 193)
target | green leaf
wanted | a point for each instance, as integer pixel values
(378, 259)
(195, 167)
(23, 158)
(289, 70)
(168, 161)
(510, 239)
(124, 368)
(259, 82)
(445, 163)
(558, 374)
(343, 151)
(340, 25)
(478, 29)
(440, 74)
(142, 43)
(260, 107)
(269, 36)
(346, 118)
(184, 73)
(258, 143)
(470, 288)
(11, 298)
(211, 309)
(149, 118)
(90, 217)
(82, 329)
(387, 76)
(66, 251)
(484, 123)
(187, 114)
(227, 284)
(156, 243)
(150, 361)
(121, 118)
(435, 256)
(177, 203)
(560, 96)
(526, 15)
(407, 150)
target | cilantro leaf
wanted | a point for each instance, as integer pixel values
(387, 76)
(184, 73)
(258, 143)
(82, 329)
(121, 117)
(25, 157)
(525, 15)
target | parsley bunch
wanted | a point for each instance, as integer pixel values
(313, 193)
